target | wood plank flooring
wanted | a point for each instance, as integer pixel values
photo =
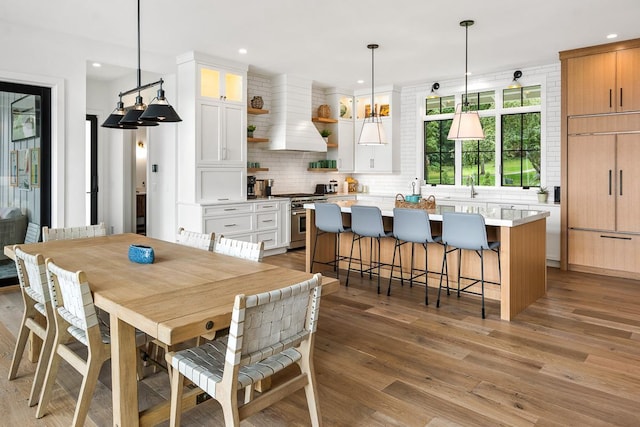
(572, 358)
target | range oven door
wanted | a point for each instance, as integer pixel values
(298, 229)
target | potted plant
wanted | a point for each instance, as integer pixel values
(542, 194)
(325, 134)
(250, 130)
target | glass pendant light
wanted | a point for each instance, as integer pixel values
(466, 124)
(372, 132)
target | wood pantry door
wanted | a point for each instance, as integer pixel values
(628, 183)
(591, 182)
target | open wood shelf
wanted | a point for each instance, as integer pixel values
(331, 145)
(323, 120)
(322, 169)
(257, 139)
(257, 169)
(256, 111)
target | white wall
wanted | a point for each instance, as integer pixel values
(58, 61)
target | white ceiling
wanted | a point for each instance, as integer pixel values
(326, 40)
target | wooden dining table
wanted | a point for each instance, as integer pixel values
(184, 293)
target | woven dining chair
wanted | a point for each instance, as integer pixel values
(37, 301)
(75, 320)
(33, 233)
(268, 332)
(67, 233)
(239, 249)
(197, 240)
(75, 317)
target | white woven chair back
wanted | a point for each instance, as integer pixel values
(49, 234)
(240, 249)
(195, 239)
(32, 274)
(269, 323)
(73, 301)
(33, 233)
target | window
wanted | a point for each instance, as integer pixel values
(439, 162)
(479, 156)
(510, 154)
(440, 105)
(521, 149)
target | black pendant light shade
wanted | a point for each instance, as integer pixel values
(133, 115)
(113, 121)
(160, 110)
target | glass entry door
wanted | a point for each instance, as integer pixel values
(25, 167)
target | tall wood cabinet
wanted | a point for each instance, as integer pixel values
(600, 224)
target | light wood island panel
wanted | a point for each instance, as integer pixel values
(522, 252)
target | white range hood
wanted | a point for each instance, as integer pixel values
(291, 126)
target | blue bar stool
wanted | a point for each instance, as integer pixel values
(329, 220)
(466, 231)
(366, 221)
(412, 226)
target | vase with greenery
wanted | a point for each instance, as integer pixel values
(250, 130)
(543, 193)
(325, 134)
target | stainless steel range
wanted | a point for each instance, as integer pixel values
(299, 216)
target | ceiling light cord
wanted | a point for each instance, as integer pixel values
(466, 64)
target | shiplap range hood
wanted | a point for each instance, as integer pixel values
(291, 127)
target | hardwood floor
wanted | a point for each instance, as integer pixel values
(572, 358)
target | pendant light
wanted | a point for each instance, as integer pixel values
(141, 115)
(372, 130)
(466, 124)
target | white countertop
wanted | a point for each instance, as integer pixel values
(501, 217)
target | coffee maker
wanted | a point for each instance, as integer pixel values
(251, 183)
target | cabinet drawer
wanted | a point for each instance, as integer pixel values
(267, 220)
(226, 210)
(271, 206)
(598, 249)
(231, 224)
(270, 238)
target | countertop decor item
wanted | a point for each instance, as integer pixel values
(141, 254)
(250, 130)
(543, 194)
(419, 203)
(257, 102)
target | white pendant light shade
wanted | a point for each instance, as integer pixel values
(466, 125)
(372, 134)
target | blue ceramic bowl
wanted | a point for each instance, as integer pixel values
(141, 254)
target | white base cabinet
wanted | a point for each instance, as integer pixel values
(251, 221)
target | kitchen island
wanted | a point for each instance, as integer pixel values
(522, 236)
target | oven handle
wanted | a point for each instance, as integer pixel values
(294, 213)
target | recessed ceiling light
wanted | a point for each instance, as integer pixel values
(360, 82)
(242, 51)
(97, 64)
(612, 36)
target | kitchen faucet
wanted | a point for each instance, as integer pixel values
(470, 182)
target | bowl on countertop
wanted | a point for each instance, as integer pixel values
(412, 198)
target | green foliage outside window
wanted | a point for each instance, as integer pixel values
(439, 162)
(521, 150)
(479, 156)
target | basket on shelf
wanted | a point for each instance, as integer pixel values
(324, 111)
(428, 203)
